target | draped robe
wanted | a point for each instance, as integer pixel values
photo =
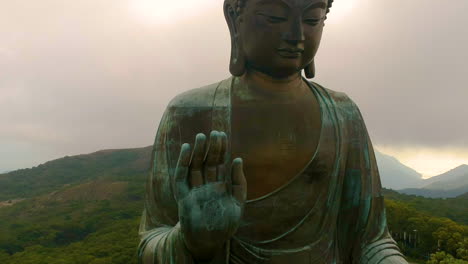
(331, 212)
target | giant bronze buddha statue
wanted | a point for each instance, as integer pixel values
(266, 166)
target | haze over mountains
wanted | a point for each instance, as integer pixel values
(450, 184)
(397, 176)
(49, 176)
(457, 174)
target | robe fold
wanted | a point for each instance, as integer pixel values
(331, 212)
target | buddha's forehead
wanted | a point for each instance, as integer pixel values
(292, 3)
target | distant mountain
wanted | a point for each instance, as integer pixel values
(449, 180)
(78, 169)
(447, 185)
(435, 193)
(395, 175)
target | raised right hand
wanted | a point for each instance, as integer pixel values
(210, 204)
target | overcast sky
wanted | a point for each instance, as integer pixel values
(80, 76)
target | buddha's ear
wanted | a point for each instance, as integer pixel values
(237, 62)
(309, 70)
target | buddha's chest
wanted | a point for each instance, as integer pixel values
(276, 141)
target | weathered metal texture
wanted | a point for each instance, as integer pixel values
(332, 212)
(307, 189)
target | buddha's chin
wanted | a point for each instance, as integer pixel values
(284, 73)
(285, 70)
(280, 68)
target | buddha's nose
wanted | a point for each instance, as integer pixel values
(295, 32)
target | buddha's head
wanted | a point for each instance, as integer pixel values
(276, 37)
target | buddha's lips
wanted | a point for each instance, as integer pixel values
(290, 52)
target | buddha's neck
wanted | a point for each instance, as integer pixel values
(264, 85)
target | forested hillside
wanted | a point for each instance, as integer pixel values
(86, 209)
(419, 234)
(452, 208)
(82, 209)
(52, 175)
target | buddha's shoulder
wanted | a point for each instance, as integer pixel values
(198, 97)
(343, 105)
(338, 98)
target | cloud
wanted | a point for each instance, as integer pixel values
(404, 63)
(79, 76)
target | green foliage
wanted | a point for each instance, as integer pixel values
(420, 234)
(86, 210)
(112, 245)
(76, 231)
(452, 208)
(4, 256)
(444, 258)
(462, 249)
(83, 209)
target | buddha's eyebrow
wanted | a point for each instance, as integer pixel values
(282, 2)
(313, 5)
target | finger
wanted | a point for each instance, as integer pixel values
(196, 176)
(181, 172)
(222, 151)
(212, 157)
(239, 183)
(221, 172)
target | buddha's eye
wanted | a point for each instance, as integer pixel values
(312, 21)
(272, 18)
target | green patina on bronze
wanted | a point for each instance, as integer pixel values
(266, 166)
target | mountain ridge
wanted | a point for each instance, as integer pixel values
(450, 175)
(394, 174)
(46, 177)
(449, 184)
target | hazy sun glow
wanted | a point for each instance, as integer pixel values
(167, 11)
(429, 162)
(342, 9)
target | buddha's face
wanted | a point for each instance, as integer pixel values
(281, 37)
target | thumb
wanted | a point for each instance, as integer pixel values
(239, 183)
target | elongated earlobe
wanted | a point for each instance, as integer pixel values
(238, 61)
(309, 70)
(237, 64)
